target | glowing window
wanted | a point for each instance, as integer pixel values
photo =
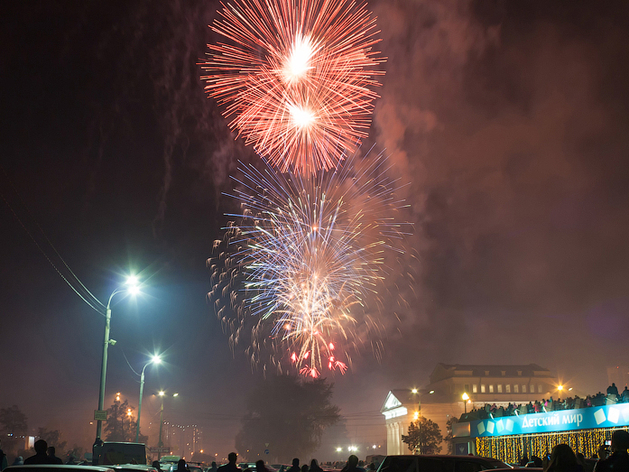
(523, 388)
(482, 388)
(474, 388)
(508, 387)
(491, 389)
(516, 389)
(499, 388)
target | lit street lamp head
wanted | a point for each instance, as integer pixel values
(132, 281)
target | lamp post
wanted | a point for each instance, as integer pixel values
(160, 444)
(131, 286)
(465, 398)
(154, 360)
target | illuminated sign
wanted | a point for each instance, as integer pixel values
(608, 416)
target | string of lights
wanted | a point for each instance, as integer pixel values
(511, 449)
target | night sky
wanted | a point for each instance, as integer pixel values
(508, 120)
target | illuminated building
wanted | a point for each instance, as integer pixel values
(509, 438)
(441, 399)
(399, 409)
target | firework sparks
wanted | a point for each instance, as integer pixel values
(296, 78)
(310, 253)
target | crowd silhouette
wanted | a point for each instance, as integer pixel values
(612, 397)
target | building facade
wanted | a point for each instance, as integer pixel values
(441, 399)
(399, 409)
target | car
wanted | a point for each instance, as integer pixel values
(439, 463)
(247, 465)
(191, 468)
(133, 468)
(57, 468)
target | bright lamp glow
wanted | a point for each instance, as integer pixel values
(156, 359)
(560, 387)
(161, 393)
(132, 281)
(465, 396)
(414, 390)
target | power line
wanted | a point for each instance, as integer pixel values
(93, 302)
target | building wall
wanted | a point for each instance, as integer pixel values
(396, 427)
(441, 399)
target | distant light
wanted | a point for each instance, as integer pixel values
(339, 449)
(431, 392)
(374, 446)
(414, 390)
(570, 389)
(161, 393)
(416, 415)
(560, 387)
(175, 394)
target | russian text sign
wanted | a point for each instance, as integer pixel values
(608, 416)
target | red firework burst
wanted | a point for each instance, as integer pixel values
(296, 78)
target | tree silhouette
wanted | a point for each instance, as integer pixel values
(120, 425)
(449, 437)
(423, 437)
(13, 427)
(287, 416)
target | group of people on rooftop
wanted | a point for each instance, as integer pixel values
(546, 405)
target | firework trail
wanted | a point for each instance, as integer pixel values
(296, 78)
(305, 258)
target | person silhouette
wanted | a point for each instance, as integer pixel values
(40, 456)
(314, 466)
(231, 464)
(51, 456)
(352, 465)
(295, 467)
(181, 466)
(563, 459)
(619, 458)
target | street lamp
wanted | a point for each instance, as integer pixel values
(154, 360)
(131, 287)
(466, 398)
(160, 444)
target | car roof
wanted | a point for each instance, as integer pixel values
(51, 467)
(133, 467)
